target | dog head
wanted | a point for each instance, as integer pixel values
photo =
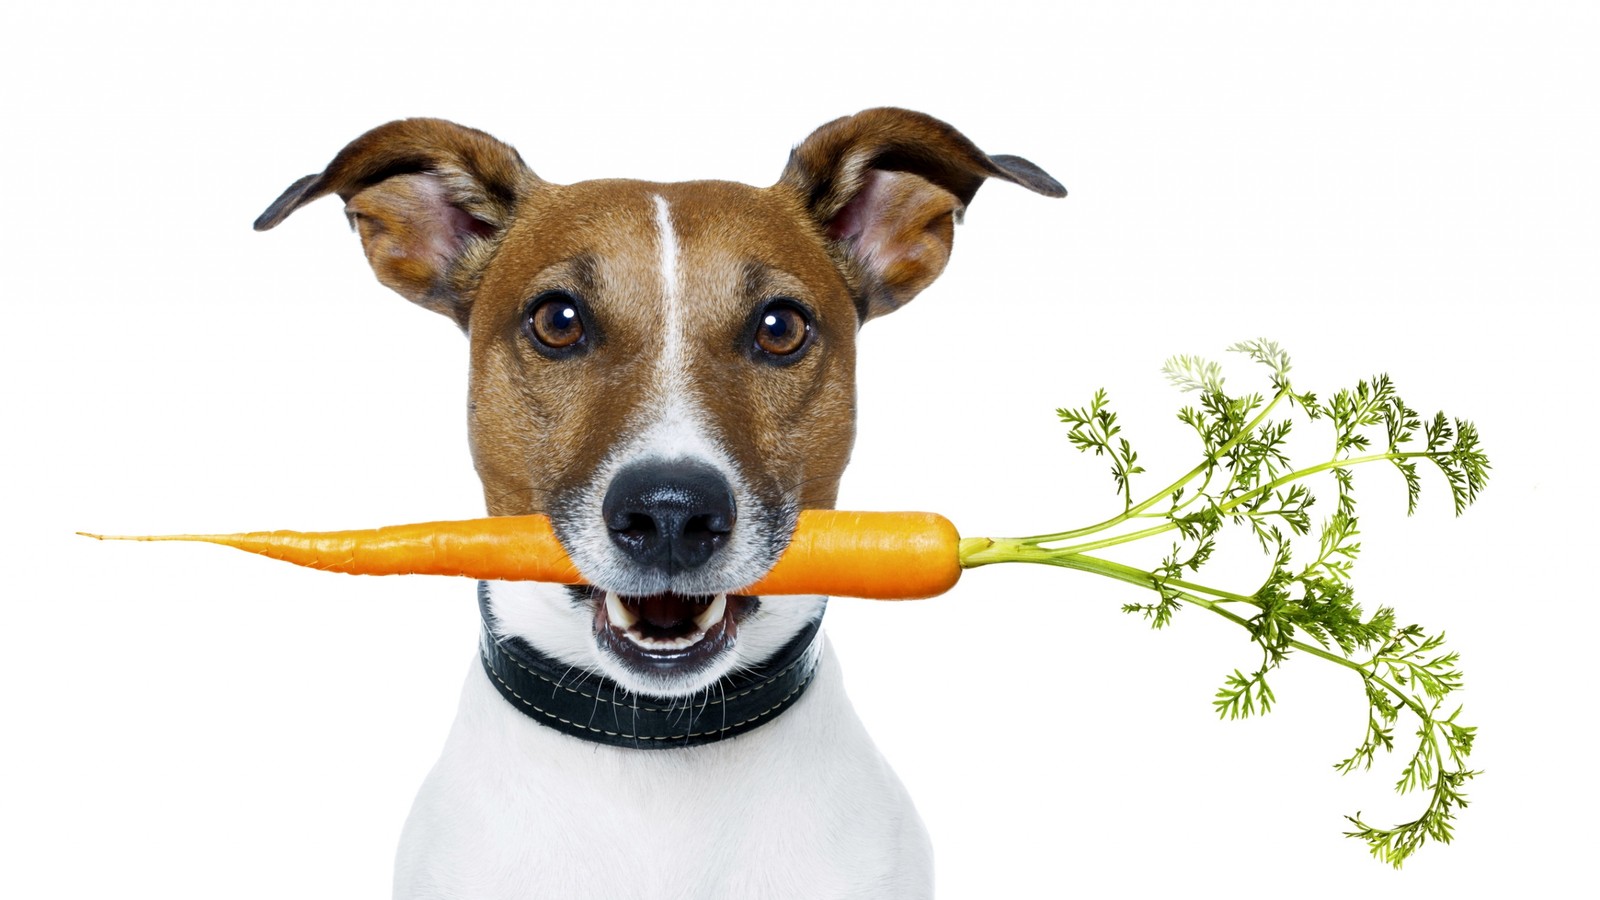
(666, 370)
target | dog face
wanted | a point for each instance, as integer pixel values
(671, 382)
(666, 370)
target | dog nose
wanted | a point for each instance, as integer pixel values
(669, 515)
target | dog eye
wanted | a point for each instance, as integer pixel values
(553, 320)
(782, 328)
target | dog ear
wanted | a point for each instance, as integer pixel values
(887, 186)
(429, 198)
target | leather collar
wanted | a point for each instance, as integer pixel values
(595, 708)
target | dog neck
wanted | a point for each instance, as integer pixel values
(595, 708)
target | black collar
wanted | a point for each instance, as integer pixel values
(595, 708)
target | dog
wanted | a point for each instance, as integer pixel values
(667, 371)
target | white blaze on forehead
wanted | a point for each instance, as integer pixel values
(677, 430)
(672, 368)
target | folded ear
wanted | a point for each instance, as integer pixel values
(429, 198)
(887, 186)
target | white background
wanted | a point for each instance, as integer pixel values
(1410, 189)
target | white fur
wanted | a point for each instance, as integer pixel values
(803, 807)
(672, 374)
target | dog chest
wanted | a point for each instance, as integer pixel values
(803, 807)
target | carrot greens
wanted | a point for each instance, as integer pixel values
(1246, 480)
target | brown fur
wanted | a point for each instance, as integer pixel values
(861, 220)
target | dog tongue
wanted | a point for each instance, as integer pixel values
(666, 611)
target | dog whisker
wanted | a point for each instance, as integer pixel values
(723, 691)
(793, 488)
(634, 729)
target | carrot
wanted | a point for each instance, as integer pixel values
(874, 555)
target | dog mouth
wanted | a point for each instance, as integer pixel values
(668, 632)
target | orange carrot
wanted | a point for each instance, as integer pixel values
(875, 555)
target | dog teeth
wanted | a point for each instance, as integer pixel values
(626, 621)
(677, 643)
(618, 611)
(713, 612)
